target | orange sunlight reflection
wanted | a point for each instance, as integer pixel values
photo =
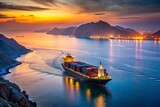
(41, 40)
(100, 101)
(77, 86)
(138, 50)
(88, 95)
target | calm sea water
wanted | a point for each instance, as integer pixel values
(133, 65)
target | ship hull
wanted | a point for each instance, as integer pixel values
(85, 79)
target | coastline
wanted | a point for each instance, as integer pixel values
(5, 70)
(19, 97)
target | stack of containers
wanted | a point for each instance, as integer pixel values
(73, 66)
(83, 70)
(94, 69)
(67, 64)
(88, 71)
(91, 71)
(83, 66)
(79, 67)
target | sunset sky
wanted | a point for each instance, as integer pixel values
(142, 15)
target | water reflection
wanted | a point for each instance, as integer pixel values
(100, 101)
(138, 51)
(111, 50)
(88, 94)
(95, 95)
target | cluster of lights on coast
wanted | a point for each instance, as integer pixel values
(141, 37)
(156, 38)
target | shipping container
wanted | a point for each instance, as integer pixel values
(88, 71)
(77, 68)
(84, 70)
(67, 64)
(73, 66)
(83, 66)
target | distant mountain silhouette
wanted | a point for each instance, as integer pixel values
(9, 49)
(62, 31)
(156, 34)
(42, 30)
(102, 28)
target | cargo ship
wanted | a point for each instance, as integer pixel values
(85, 72)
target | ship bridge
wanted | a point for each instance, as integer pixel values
(68, 58)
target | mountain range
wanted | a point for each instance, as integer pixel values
(99, 28)
(102, 28)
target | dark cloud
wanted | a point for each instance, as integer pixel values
(136, 6)
(89, 5)
(5, 6)
(2, 16)
(118, 6)
(99, 13)
(143, 24)
(129, 18)
(45, 2)
(115, 6)
(50, 2)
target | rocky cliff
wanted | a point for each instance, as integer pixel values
(12, 96)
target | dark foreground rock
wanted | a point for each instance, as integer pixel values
(12, 96)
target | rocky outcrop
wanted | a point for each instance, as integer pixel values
(12, 96)
(102, 28)
(62, 31)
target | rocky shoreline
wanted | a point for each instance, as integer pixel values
(12, 96)
(10, 93)
(5, 70)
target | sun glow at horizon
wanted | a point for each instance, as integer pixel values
(74, 13)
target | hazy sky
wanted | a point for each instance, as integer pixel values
(142, 15)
